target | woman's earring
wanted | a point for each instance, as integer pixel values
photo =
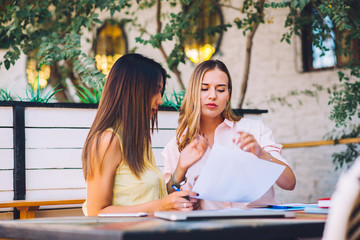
(227, 101)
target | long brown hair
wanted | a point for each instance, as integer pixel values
(125, 106)
(190, 111)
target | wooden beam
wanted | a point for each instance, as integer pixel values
(32, 203)
(321, 143)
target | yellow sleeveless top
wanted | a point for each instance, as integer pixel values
(130, 190)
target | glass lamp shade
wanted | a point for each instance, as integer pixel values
(110, 45)
(200, 45)
(198, 54)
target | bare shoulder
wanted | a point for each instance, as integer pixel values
(107, 136)
(109, 147)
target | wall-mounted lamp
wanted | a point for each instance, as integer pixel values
(200, 45)
(110, 44)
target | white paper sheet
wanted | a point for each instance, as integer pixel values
(235, 176)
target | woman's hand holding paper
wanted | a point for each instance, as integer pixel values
(248, 143)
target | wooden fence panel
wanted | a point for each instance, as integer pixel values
(6, 138)
(59, 117)
(6, 163)
(168, 119)
(53, 158)
(6, 159)
(55, 138)
(158, 159)
(161, 138)
(37, 179)
(6, 119)
(52, 194)
(6, 180)
(6, 196)
(6, 185)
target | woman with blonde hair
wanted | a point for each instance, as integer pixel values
(118, 162)
(206, 118)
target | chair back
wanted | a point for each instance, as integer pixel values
(343, 220)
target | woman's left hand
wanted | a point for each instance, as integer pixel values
(248, 143)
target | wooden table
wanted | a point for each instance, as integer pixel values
(148, 228)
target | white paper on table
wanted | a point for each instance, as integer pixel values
(235, 176)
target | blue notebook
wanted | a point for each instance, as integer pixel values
(316, 209)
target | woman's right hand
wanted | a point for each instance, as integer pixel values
(193, 152)
(188, 156)
(177, 201)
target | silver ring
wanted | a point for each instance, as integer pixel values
(184, 205)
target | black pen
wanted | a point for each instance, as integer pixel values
(178, 190)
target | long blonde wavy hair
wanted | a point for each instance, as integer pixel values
(190, 111)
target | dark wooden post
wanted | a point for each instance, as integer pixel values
(19, 154)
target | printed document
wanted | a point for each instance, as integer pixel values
(235, 175)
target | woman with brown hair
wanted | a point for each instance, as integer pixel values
(206, 116)
(118, 162)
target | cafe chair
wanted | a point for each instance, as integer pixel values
(343, 220)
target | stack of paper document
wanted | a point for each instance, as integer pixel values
(324, 202)
(235, 176)
(315, 209)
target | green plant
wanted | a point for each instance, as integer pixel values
(34, 93)
(346, 157)
(89, 96)
(173, 99)
(5, 95)
(54, 28)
